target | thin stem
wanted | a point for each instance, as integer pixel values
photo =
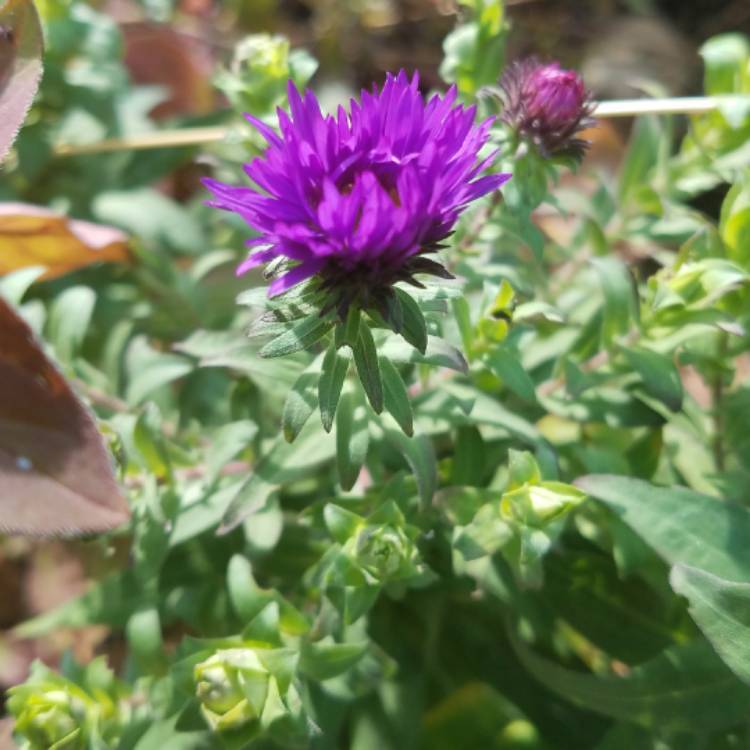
(717, 404)
(478, 222)
(232, 469)
(160, 139)
(689, 105)
(100, 398)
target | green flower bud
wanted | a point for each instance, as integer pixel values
(48, 717)
(232, 686)
(541, 504)
(384, 551)
(260, 71)
(52, 711)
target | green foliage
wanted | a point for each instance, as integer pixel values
(507, 511)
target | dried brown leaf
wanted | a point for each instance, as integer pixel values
(55, 473)
(36, 236)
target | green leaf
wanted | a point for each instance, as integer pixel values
(299, 405)
(150, 444)
(489, 411)
(725, 57)
(69, 319)
(165, 733)
(153, 371)
(264, 627)
(340, 522)
(414, 328)
(283, 462)
(682, 526)
(522, 469)
(227, 442)
(507, 366)
(641, 157)
(368, 369)
(620, 301)
(420, 455)
(466, 329)
(438, 353)
(301, 336)
(349, 332)
(659, 374)
(396, 397)
(264, 528)
(469, 455)
(326, 659)
(335, 368)
(687, 687)
(352, 439)
(722, 611)
(246, 597)
(735, 222)
(145, 637)
(151, 216)
(13, 286)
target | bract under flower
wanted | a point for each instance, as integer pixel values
(357, 200)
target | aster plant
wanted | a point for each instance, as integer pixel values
(545, 547)
(348, 206)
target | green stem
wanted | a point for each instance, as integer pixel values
(717, 398)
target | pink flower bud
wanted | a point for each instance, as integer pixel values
(547, 105)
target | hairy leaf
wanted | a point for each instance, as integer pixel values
(681, 525)
(21, 44)
(722, 610)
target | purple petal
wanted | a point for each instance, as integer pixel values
(255, 260)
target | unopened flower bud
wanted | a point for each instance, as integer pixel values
(547, 105)
(232, 686)
(383, 550)
(538, 505)
(48, 718)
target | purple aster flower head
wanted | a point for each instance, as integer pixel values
(356, 201)
(547, 105)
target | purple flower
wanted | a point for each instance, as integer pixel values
(548, 105)
(357, 200)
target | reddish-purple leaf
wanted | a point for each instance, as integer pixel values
(21, 44)
(55, 473)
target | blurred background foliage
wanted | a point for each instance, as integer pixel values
(591, 377)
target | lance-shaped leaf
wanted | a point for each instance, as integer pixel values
(55, 473)
(352, 439)
(35, 236)
(685, 688)
(722, 610)
(335, 367)
(414, 328)
(299, 405)
(368, 368)
(682, 526)
(21, 44)
(326, 659)
(396, 397)
(300, 336)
